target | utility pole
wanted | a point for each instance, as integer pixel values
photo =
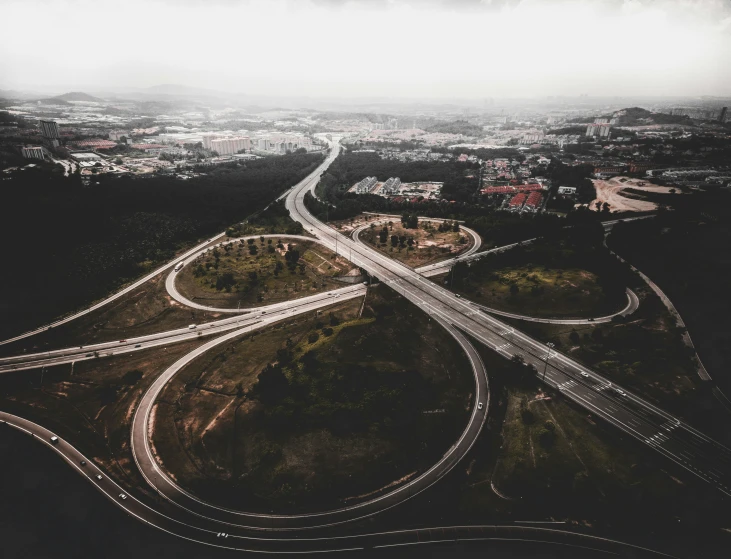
(548, 356)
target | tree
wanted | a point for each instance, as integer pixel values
(514, 289)
(383, 235)
(271, 386)
(574, 337)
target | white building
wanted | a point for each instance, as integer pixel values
(391, 186)
(366, 185)
(34, 152)
(229, 146)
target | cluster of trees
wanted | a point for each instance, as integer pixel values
(456, 127)
(580, 246)
(573, 175)
(686, 252)
(307, 392)
(81, 243)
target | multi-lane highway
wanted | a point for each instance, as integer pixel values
(200, 521)
(668, 435)
(277, 311)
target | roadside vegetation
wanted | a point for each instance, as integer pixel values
(320, 412)
(261, 271)
(91, 404)
(685, 251)
(71, 244)
(417, 243)
(145, 310)
(569, 274)
(542, 457)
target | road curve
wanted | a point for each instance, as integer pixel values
(157, 478)
(633, 303)
(443, 266)
(180, 298)
(316, 173)
(199, 530)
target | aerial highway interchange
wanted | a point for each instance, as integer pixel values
(467, 322)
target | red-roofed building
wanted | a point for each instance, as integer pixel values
(534, 200)
(517, 201)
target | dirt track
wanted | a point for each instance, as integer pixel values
(610, 191)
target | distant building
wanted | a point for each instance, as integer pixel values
(608, 170)
(366, 185)
(640, 167)
(35, 152)
(601, 121)
(567, 190)
(600, 130)
(229, 146)
(49, 129)
(94, 144)
(391, 186)
(117, 135)
(722, 116)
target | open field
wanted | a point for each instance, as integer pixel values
(146, 310)
(542, 292)
(261, 272)
(543, 458)
(350, 405)
(419, 246)
(544, 279)
(610, 191)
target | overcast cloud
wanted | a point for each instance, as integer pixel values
(355, 48)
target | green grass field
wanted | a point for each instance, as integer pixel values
(349, 421)
(265, 274)
(541, 292)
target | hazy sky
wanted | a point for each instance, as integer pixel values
(397, 48)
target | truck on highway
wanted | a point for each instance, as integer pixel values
(178, 266)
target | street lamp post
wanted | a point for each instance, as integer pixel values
(548, 356)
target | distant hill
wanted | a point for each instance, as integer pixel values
(66, 98)
(637, 116)
(78, 96)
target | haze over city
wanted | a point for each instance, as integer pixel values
(389, 48)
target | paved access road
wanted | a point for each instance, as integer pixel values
(674, 439)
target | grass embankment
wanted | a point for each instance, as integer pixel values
(548, 278)
(92, 404)
(550, 459)
(541, 291)
(323, 412)
(417, 246)
(145, 310)
(261, 271)
(646, 354)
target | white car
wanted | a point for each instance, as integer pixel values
(620, 392)
(584, 374)
(122, 496)
(99, 477)
(479, 405)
